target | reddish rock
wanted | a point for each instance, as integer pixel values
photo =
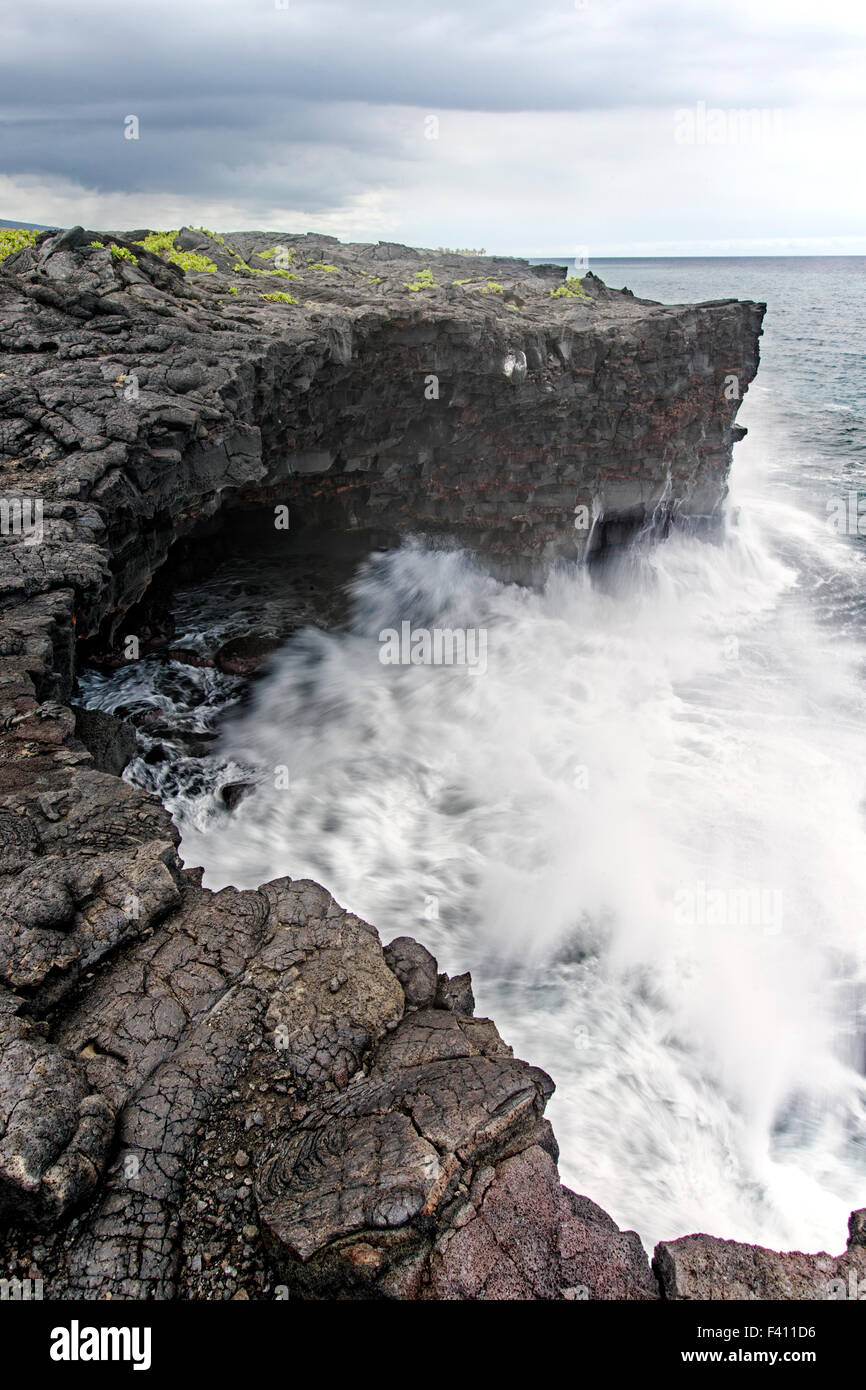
(242, 656)
(704, 1267)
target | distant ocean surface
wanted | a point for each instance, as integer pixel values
(709, 1057)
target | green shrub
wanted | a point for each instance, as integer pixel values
(120, 253)
(572, 289)
(14, 239)
(279, 298)
(255, 270)
(423, 281)
(270, 252)
(192, 260)
(320, 265)
(162, 244)
(158, 242)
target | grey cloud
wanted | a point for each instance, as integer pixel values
(310, 106)
(490, 56)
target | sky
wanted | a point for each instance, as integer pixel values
(589, 127)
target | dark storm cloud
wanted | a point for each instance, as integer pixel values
(288, 152)
(291, 106)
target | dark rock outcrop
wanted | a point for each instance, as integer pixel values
(197, 1089)
(109, 741)
(456, 993)
(416, 970)
(398, 1151)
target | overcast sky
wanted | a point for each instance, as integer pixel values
(526, 128)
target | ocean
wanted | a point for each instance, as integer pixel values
(642, 829)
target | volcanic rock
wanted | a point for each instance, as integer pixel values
(704, 1267)
(152, 1030)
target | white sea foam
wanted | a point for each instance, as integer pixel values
(692, 726)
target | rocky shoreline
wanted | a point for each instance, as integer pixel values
(242, 1094)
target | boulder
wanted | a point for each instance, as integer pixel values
(415, 968)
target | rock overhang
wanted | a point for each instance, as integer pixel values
(139, 399)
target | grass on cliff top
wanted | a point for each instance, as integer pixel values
(285, 255)
(271, 251)
(255, 270)
(14, 239)
(572, 289)
(423, 281)
(120, 253)
(489, 286)
(162, 244)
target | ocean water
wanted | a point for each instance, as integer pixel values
(642, 826)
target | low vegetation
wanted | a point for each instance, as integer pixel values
(123, 253)
(423, 281)
(572, 289)
(255, 270)
(271, 251)
(14, 239)
(163, 244)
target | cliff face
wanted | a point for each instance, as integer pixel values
(136, 400)
(237, 1089)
